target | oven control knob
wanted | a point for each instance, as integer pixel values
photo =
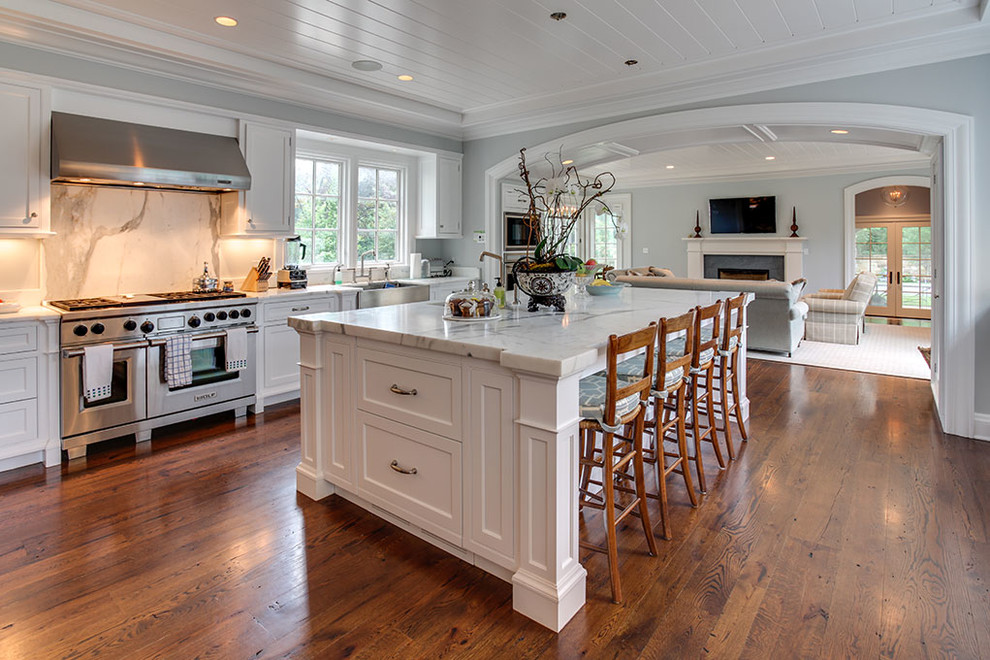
(246, 313)
(130, 324)
(147, 327)
(234, 314)
(98, 328)
(222, 316)
(80, 330)
(209, 317)
(194, 321)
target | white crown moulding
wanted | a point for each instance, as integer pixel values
(937, 35)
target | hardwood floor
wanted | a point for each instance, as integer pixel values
(850, 526)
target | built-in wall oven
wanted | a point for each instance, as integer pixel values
(519, 235)
(140, 396)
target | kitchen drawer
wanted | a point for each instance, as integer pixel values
(433, 391)
(428, 491)
(278, 312)
(18, 338)
(18, 379)
(18, 422)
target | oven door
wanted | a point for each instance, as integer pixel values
(126, 402)
(518, 236)
(211, 382)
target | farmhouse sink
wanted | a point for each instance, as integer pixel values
(381, 294)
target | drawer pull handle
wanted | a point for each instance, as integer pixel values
(398, 390)
(395, 466)
(300, 309)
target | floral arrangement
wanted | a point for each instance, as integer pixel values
(556, 203)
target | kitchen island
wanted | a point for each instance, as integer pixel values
(466, 433)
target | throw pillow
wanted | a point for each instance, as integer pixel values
(661, 272)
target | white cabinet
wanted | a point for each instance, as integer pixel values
(23, 160)
(440, 197)
(267, 208)
(28, 394)
(513, 198)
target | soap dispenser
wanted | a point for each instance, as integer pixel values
(499, 293)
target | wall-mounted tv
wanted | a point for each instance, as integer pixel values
(744, 215)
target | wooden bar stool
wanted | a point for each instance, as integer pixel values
(614, 411)
(701, 389)
(727, 373)
(675, 343)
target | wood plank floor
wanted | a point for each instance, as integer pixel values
(850, 526)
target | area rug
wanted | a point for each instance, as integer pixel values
(884, 349)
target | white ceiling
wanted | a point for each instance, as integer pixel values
(484, 67)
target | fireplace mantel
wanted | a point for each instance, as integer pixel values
(792, 249)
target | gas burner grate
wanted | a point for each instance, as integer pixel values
(182, 296)
(84, 303)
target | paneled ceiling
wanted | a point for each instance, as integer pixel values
(483, 67)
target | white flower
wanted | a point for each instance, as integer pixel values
(555, 185)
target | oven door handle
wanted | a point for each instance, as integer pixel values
(77, 352)
(204, 335)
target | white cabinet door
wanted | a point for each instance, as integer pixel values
(440, 197)
(22, 159)
(489, 466)
(449, 197)
(281, 359)
(266, 209)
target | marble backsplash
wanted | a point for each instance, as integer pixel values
(120, 240)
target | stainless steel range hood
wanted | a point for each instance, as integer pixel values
(102, 151)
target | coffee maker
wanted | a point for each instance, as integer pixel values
(292, 275)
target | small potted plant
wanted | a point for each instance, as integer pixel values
(556, 203)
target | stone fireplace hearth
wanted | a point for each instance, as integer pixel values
(742, 264)
(782, 256)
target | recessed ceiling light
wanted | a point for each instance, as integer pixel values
(83, 180)
(367, 65)
(566, 162)
(670, 167)
(558, 15)
(225, 21)
(769, 158)
(839, 131)
(138, 183)
(631, 62)
(405, 77)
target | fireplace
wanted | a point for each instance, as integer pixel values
(787, 253)
(749, 274)
(744, 266)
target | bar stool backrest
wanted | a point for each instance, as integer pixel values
(671, 329)
(706, 317)
(733, 324)
(619, 346)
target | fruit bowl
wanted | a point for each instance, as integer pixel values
(612, 289)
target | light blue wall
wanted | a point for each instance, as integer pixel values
(959, 86)
(664, 215)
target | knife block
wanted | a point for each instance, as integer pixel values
(253, 283)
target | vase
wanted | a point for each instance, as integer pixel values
(544, 288)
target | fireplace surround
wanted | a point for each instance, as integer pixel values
(789, 253)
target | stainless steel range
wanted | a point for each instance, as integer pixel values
(141, 329)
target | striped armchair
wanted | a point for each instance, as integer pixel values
(837, 315)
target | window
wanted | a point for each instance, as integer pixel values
(352, 200)
(378, 212)
(604, 236)
(318, 194)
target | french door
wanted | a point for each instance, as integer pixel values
(900, 255)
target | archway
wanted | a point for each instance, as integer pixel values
(947, 136)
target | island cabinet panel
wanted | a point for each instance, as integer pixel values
(411, 473)
(489, 461)
(424, 393)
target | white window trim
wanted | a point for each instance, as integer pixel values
(621, 203)
(351, 158)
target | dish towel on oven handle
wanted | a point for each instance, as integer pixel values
(97, 368)
(178, 361)
(237, 349)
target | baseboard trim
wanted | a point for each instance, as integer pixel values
(981, 426)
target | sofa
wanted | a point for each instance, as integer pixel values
(775, 317)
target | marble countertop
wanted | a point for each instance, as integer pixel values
(543, 342)
(29, 313)
(317, 289)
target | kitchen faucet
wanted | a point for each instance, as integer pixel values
(363, 255)
(501, 263)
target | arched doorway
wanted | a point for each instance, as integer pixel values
(946, 136)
